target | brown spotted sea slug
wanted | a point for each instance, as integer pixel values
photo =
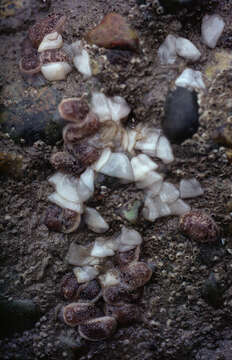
(109, 269)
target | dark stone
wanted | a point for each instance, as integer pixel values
(181, 115)
(17, 316)
(212, 291)
(119, 57)
(174, 5)
(33, 118)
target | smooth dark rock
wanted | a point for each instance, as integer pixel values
(181, 115)
(33, 118)
(17, 316)
(212, 291)
(173, 5)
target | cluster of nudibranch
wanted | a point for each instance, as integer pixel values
(44, 51)
(97, 140)
(108, 268)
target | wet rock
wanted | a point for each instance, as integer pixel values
(34, 118)
(14, 15)
(210, 255)
(174, 5)
(223, 135)
(199, 226)
(119, 57)
(17, 316)
(212, 292)
(181, 115)
(10, 164)
(114, 32)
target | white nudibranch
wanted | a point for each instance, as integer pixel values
(56, 71)
(173, 46)
(51, 41)
(131, 155)
(81, 59)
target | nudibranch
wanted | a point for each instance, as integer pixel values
(44, 51)
(96, 139)
(109, 269)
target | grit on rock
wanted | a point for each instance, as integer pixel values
(186, 306)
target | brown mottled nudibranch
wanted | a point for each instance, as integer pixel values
(199, 226)
(103, 271)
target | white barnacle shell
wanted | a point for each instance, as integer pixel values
(51, 41)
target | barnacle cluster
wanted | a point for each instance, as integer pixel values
(108, 268)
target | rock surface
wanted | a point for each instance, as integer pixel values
(172, 305)
(181, 115)
(114, 32)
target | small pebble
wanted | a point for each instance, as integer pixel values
(114, 32)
